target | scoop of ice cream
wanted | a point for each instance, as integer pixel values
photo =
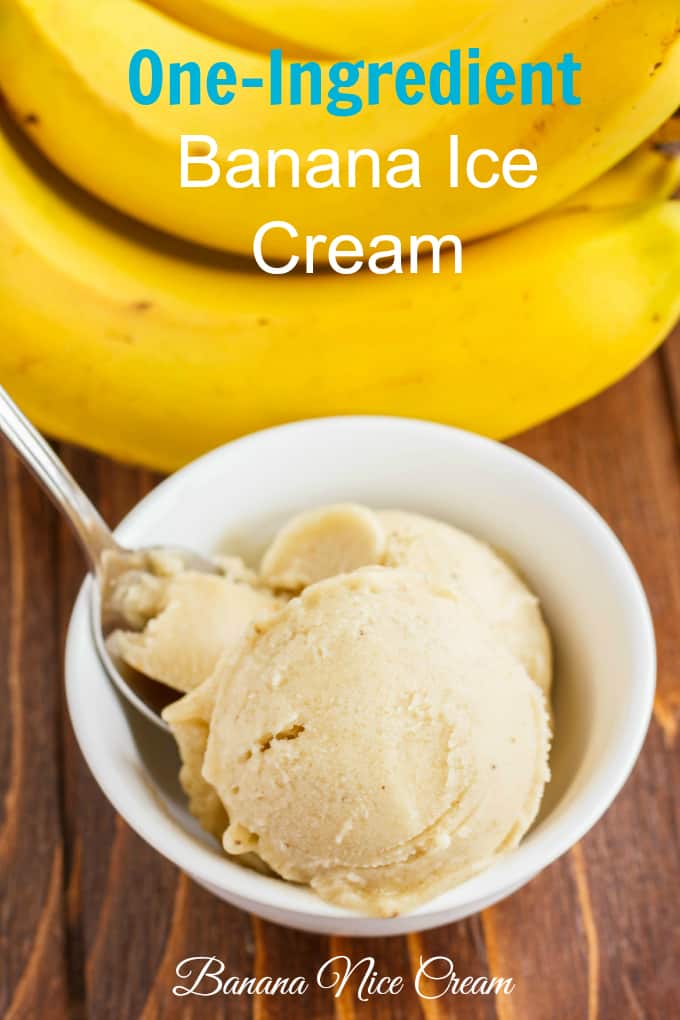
(376, 740)
(330, 540)
(181, 624)
(449, 556)
(322, 543)
(189, 720)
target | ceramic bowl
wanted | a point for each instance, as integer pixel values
(235, 497)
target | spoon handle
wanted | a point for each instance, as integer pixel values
(92, 532)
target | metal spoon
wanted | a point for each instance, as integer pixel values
(98, 544)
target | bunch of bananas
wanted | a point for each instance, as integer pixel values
(124, 326)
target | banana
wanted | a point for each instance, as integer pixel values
(151, 351)
(353, 29)
(226, 21)
(652, 171)
(71, 97)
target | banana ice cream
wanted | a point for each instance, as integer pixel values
(367, 714)
(313, 545)
(180, 624)
(323, 543)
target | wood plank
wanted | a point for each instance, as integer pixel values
(33, 976)
(668, 702)
(670, 358)
(619, 451)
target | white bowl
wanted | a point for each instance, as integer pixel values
(592, 598)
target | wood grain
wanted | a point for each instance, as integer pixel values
(93, 922)
(33, 978)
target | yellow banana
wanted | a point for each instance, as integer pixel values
(153, 352)
(222, 20)
(71, 95)
(354, 29)
(652, 171)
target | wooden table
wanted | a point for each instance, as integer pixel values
(93, 922)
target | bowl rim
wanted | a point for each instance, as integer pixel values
(514, 869)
